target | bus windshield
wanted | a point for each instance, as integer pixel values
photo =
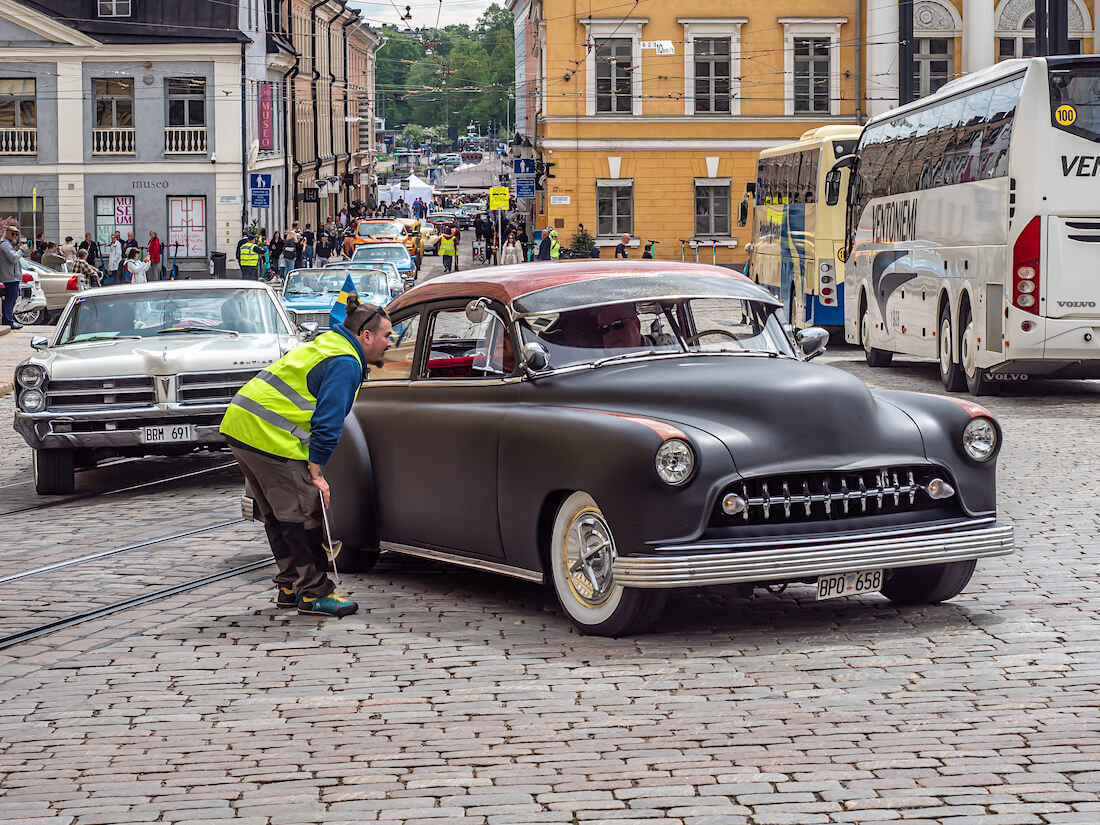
(1075, 101)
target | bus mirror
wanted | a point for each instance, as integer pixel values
(750, 188)
(832, 187)
(743, 213)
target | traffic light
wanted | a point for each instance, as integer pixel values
(542, 174)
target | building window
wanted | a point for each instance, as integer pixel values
(113, 215)
(713, 66)
(932, 64)
(186, 101)
(20, 211)
(113, 8)
(811, 74)
(18, 107)
(187, 226)
(614, 207)
(613, 75)
(712, 208)
(1021, 43)
(114, 103)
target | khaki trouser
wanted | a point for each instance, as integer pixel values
(291, 508)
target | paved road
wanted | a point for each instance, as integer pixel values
(461, 697)
(482, 175)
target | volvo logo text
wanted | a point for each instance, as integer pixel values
(1077, 304)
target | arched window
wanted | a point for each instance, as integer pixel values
(935, 27)
(1016, 28)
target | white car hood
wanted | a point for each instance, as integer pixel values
(166, 355)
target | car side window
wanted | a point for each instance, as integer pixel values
(397, 363)
(459, 348)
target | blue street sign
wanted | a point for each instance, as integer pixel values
(261, 198)
(525, 186)
(523, 166)
(257, 180)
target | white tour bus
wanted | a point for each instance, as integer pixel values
(974, 227)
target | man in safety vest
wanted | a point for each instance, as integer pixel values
(283, 427)
(555, 247)
(248, 257)
(447, 250)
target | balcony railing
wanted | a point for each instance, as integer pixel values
(18, 141)
(114, 141)
(185, 140)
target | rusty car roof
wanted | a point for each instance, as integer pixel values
(508, 283)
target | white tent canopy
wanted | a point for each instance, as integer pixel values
(417, 189)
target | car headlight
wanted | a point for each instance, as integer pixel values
(675, 461)
(30, 376)
(980, 439)
(32, 401)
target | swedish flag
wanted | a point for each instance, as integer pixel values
(340, 308)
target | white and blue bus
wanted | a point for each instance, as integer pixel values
(796, 236)
(974, 227)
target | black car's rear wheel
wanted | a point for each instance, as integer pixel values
(582, 555)
(928, 584)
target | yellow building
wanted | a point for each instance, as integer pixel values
(653, 119)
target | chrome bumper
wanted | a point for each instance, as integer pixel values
(710, 563)
(38, 429)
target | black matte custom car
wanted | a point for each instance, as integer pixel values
(617, 429)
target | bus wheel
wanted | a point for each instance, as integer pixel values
(951, 372)
(977, 378)
(875, 357)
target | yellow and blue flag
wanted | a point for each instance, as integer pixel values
(340, 308)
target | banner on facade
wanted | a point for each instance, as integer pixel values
(267, 118)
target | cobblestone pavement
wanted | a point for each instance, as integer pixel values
(461, 697)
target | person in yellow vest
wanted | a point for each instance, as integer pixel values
(283, 427)
(248, 257)
(447, 250)
(555, 247)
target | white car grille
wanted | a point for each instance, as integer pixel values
(212, 387)
(319, 318)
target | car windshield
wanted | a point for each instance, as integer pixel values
(186, 312)
(382, 252)
(368, 228)
(326, 281)
(638, 328)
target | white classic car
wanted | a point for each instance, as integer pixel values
(144, 370)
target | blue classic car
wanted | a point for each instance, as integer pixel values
(395, 253)
(309, 294)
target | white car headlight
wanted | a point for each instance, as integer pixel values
(980, 439)
(32, 401)
(675, 461)
(30, 376)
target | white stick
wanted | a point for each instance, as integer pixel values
(328, 534)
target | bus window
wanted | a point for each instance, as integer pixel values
(970, 135)
(810, 163)
(998, 134)
(1078, 88)
(950, 122)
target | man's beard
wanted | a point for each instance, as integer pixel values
(379, 363)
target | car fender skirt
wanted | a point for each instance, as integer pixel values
(711, 563)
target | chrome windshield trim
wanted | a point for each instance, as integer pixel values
(588, 365)
(763, 298)
(463, 561)
(686, 567)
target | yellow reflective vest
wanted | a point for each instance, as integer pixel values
(555, 247)
(446, 246)
(272, 412)
(250, 255)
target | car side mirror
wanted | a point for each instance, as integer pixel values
(813, 341)
(535, 357)
(475, 310)
(40, 342)
(743, 213)
(832, 187)
(308, 328)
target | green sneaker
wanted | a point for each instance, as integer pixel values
(330, 605)
(285, 598)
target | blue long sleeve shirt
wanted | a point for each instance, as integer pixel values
(334, 383)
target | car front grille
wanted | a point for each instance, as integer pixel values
(82, 394)
(212, 387)
(832, 496)
(319, 318)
